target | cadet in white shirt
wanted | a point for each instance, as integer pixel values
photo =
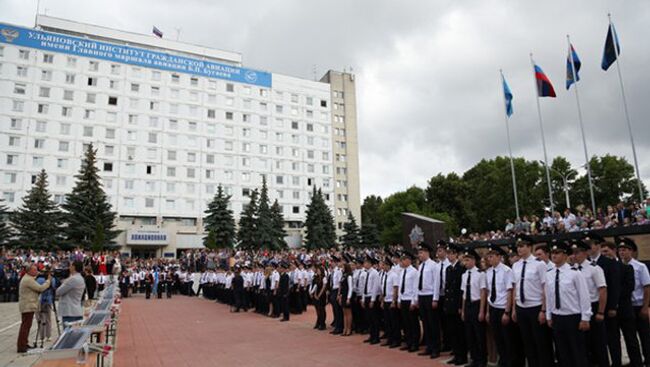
(641, 293)
(529, 313)
(370, 307)
(568, 310)
(408, 302)
(474, 287)
(428, 294)
(335, 284)
(597, 286)
(441, 259)
(500, 282)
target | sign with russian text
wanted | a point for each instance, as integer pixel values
(143, 237)
(129, 55)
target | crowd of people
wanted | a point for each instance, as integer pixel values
(570, 220)
(564, 303)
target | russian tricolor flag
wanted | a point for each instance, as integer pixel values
(544, 86)
(157, 32)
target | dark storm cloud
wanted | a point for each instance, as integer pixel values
(428, 87)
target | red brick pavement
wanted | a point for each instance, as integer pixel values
(185, 331)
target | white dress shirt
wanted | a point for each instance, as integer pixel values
(359, 281)
(504, 282)
(594, 277)
(574, 296)
(429, 272)
(477, 282)
(408, 285)
(370, 284)
(641, 280)
(534, 280)
(388, 281)
(443, 265)
(336, 278)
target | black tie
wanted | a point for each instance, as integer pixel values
(421, 275)
(442, 267)
(385, 278)
(468, 288)
(558, 304)
(522, 295)
(493, 291)
(358, 279)
(403, 281)
(365, 288)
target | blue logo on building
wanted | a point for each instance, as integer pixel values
(130, 55)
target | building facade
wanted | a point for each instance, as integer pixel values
(170, 122)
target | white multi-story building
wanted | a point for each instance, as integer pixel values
(170, 121)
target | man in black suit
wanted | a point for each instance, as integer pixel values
(283, 291)
(625, 312)
(238, 290)
(453, 304)
(612, 270)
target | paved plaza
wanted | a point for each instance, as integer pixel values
(9, 326)
(185, 331)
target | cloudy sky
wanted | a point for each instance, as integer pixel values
(427, 71)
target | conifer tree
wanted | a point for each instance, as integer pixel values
(351, 237)
(90, 221)
(319, 223)
(38, 220)
(219, 222)
(264, 227)
(5, 228)
(278, 227)
(247, 224)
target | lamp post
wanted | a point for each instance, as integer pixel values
(565, 181)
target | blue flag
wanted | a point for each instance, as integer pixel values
(570, 79)
(508, 96)
(612, 48)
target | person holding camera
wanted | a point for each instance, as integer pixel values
(28, 295)
(70, 295)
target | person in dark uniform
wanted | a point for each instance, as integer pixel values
(319, 297)
(162, 275)
(474, 287)
(627, 250)
(453, 304)
(428, 294)
(148, 282)
(344, 298)
(125, 282)
(370, 288)
(171, 281)
(568, 308)
(625, 313)
(91, 283)
(612, 270)
(238, 290)
(283, 291)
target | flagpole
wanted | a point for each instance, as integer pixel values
(627, 114)
(582, 128)
(512, 164)
(541, 128)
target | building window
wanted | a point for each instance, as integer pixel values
(323, 103)
(295, 209)
(230, 87)
(93, 65)
(112, 101)
(148, 202)
(92, 82)
(108, 167)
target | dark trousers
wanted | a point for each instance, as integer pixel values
(358, 319)
(430, 324)
(391, 323)
(147, 290)
(372, 319)
(23, 334)
(501, 334)
(643, 329)
(569, 341)
(444, 328)
(534, 336)
(410, 325)
(457, 336)
(321, 314)
(613, 340)
(337, 310)
(628, 328)
(475, 333)
(597, 340)
(284, 300)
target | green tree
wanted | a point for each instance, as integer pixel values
(613, 181)
(264, 226)
(369, 235)
(219, 222)
(321, 232)
(279, 233)
(5, 228)
(87, 208)
(351, 232)
(248, 224)
(447, 194)
(561, 170)
(38, 220)
(370, 210)
(412, 201)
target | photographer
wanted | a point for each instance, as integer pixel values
(28, 294)
(70, 294)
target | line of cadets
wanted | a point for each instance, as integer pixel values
(158, 281)
(566, 304)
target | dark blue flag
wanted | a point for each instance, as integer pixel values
(612, 48)
(570, 79)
